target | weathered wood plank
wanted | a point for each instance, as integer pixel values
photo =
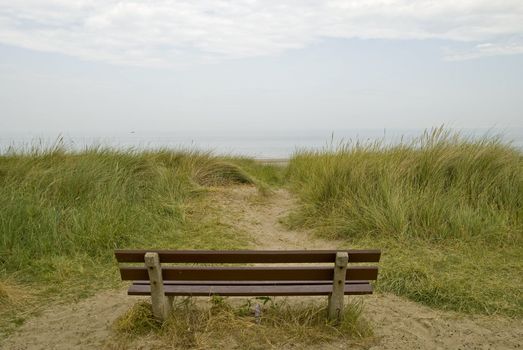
(160, 304)
(259, 290)
(255, 273)
(336, 298)
(248, 283)
(246, 256)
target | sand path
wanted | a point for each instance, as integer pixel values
(398, 323)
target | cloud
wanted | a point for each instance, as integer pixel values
(511, 47)
(172, 33)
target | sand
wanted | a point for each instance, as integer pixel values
(397, 322)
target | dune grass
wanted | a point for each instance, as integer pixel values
(223, 325)
(62, 214)
(447, 212)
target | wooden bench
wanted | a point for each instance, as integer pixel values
(162, 282)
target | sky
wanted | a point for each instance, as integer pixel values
(120, 66)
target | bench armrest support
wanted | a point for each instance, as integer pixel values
(160, 303)
(338, 284)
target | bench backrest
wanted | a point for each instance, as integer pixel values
(249, 273)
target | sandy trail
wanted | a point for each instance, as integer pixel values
(398, 323)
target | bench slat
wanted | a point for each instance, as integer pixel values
(246, 256)
(235, 290)
(247, 283)
(256, 273)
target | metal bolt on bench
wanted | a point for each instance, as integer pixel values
(164, 282)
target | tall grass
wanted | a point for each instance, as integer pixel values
(62, 213)
(446, 210)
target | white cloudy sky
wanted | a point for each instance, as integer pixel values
(68, 64)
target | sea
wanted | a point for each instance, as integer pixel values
(259, 144)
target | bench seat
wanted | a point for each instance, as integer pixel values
(252, 289)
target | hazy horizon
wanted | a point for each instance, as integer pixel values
(261, 144)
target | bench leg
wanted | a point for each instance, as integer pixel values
(161, 305)
(338, 286)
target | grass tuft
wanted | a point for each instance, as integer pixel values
(222, 325)
(447, 211)
(15, 302)
(138, 320)
(220, 173)
(12, 294)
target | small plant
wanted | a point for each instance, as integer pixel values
(219, 304)
(249, 307)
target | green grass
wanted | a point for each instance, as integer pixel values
(265, 174)
(447, 212)
(225, 326)
(62, 214)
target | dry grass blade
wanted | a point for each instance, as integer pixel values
(221, 324)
